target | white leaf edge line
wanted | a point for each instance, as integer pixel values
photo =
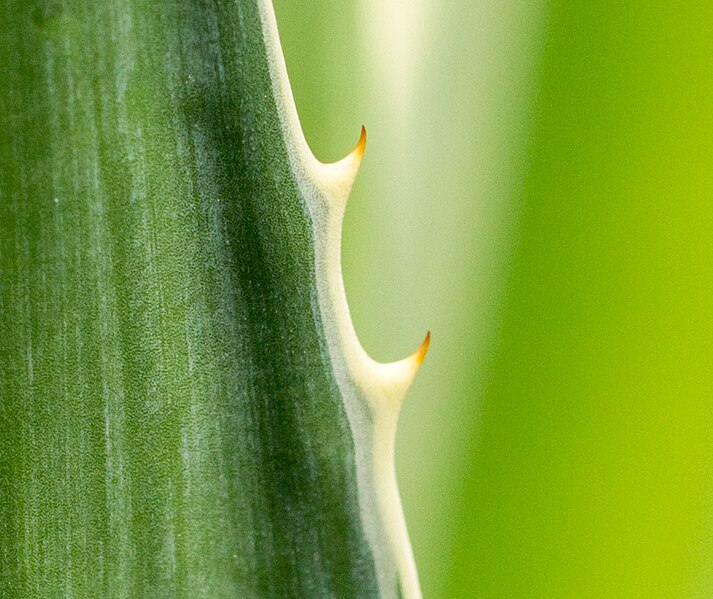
(326, 188)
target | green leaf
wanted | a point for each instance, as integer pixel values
(185, 409)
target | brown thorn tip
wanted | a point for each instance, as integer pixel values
(361, 144)
(421, 351)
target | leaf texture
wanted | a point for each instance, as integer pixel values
(185, 410)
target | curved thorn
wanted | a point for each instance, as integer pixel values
(360, 146)
(338, 177)
(395, 378)
(354, 157)
(419, 355)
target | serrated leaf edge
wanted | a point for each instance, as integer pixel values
(325, 189)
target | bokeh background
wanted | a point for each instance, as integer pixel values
(538, 192)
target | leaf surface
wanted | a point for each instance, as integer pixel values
(185, 410)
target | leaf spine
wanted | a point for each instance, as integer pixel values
(337, 178)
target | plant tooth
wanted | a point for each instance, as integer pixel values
(360, 146)
(338, 177)
(396, 378)
(419, 355)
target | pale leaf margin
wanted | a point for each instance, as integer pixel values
(372, 392)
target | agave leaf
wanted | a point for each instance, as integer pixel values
(185, 409)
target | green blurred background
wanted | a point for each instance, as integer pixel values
(537, 191)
